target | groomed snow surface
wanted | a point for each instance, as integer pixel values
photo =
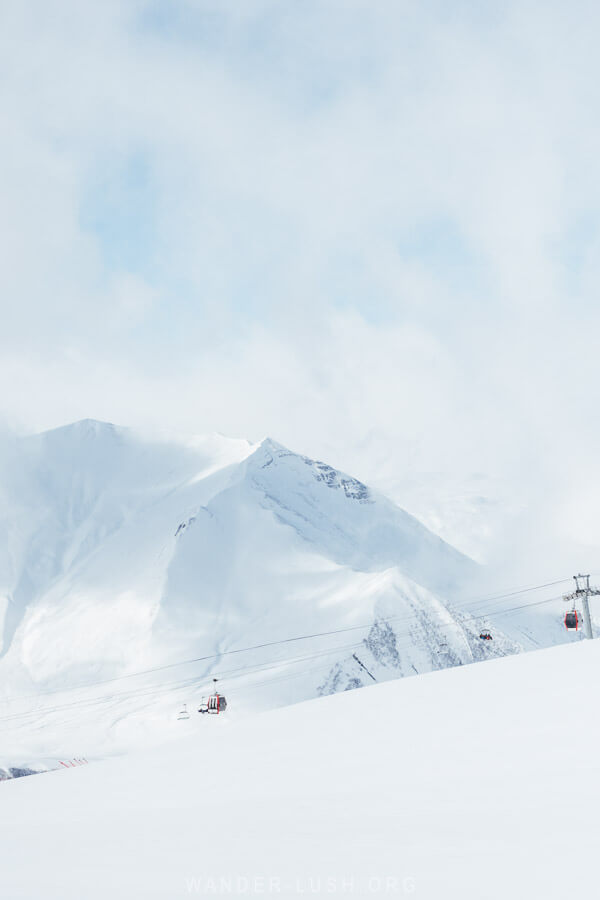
(474, 782)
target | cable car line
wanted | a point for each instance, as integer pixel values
(148, 690)
(399, 617)
(152, 690)
(525, 590)
(501, 612)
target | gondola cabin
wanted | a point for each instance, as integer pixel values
(572, 620)
(215, 704)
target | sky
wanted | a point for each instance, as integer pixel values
(369, 229)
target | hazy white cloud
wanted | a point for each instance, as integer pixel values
(368, 229)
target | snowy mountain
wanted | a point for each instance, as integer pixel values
(123, 552)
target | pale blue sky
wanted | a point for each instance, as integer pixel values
(367, 228)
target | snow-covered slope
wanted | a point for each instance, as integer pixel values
(477, 782)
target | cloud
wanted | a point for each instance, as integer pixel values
(368, 229)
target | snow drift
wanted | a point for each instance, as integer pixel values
(458, 784)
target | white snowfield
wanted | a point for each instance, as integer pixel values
(476, 782)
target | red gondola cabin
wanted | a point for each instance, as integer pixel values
(215, 704)
(572, 620)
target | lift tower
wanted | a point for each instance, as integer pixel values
(582, 593)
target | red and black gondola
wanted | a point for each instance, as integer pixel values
(214, 705)
(572, 620)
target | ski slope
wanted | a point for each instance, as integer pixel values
(475, 782)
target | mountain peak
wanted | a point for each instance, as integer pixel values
(84, 428)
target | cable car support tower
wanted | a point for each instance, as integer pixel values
(582, 593)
